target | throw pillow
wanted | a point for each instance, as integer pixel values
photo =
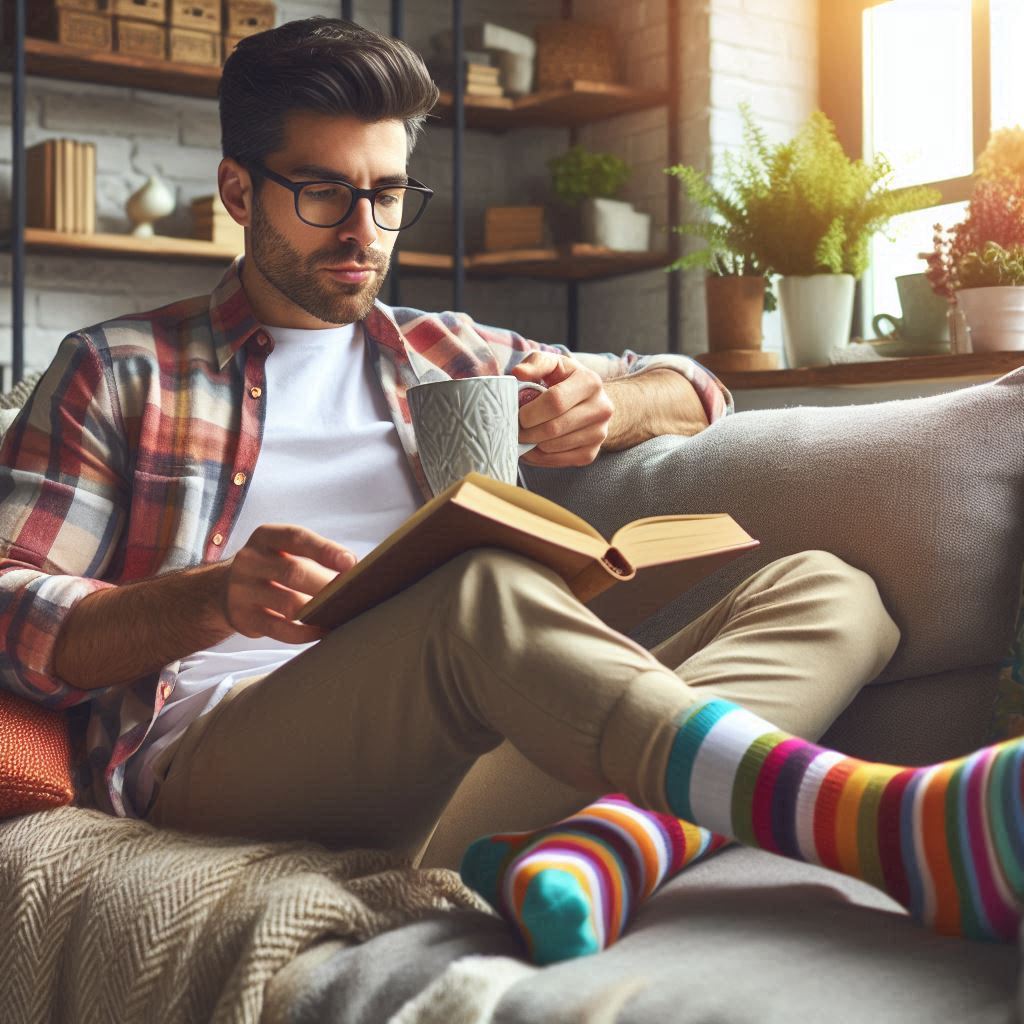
(35, 749)
(35, 757)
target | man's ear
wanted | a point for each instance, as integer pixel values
(235, 186)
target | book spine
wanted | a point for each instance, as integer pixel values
(33, 186)
(597, 577)
(90, 188)
(49, 160)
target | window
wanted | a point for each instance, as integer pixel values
(924, 82)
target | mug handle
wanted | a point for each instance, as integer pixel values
(896, 322)
(528, 385)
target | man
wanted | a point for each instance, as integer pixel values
(182, 481)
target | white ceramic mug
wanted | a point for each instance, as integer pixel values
(468, 425)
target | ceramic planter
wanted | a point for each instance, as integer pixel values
(615, 225)
(995, 317)
(817, 313)
(735, 311)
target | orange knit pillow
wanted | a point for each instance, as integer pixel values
(35, 757)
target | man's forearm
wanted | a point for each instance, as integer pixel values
(121, 633)
(649, 404)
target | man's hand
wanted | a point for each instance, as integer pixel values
(272, 577)
(568, 422)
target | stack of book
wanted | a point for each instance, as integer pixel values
(513, 227)
(481, 76)
(212, 222)
(61, 180)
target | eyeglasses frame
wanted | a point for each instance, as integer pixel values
(295, 187)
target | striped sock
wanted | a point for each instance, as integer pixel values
(571, 888)
(946, 841)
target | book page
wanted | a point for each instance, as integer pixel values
(660, 539)
(465, 516)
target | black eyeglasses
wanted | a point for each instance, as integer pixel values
(326, 204)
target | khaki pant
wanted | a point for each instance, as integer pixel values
(391, 731)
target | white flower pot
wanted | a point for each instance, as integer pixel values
(817, 312)
(615, 225)
(995, 317)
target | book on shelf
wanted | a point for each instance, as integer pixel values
(670, 552)
(61, 186)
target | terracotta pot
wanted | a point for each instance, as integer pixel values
(735, 307)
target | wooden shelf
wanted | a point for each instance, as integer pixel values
(166, 247)
(54, 60)
(882, 371)
(575, 103)
(573, 263)
(568, 263)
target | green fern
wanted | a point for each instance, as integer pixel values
(798, 207)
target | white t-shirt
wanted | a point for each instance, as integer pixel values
(331, 461)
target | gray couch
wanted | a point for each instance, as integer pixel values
(926, 496)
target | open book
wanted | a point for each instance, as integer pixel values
(481, 512)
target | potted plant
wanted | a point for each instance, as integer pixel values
(586, 182)
(737, 289)
(810, 214)
(978, 264)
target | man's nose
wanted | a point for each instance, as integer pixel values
(359, 225)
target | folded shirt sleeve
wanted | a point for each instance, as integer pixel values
(63, 502)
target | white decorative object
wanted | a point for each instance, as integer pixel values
(151, 202)
(615, 225)
(516, 72)
(817, 313)
(995, 316)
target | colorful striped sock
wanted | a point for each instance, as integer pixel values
(946, 841)
(571, 888)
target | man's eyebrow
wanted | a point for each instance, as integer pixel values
(316, 172)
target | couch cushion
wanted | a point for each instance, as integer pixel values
(923, 494)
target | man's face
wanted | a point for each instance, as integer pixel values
(330, 274)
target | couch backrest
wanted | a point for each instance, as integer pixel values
(924, 494)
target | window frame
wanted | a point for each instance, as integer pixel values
(841, 88)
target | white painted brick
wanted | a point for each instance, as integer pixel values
(175, 162)
(67, 310)
(201, 128)
(112, 115)
(750, 31)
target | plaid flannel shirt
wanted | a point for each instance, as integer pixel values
(132, 457)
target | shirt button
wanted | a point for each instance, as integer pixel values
(239, 479)
(218, 538)
(165, 690)
(255, 392)
(261, 338)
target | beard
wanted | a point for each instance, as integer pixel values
(297, 277)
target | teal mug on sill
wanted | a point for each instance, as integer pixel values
(923, 323)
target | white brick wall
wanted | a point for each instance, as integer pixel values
(732, 49)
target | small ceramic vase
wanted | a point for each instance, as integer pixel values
(151, 202)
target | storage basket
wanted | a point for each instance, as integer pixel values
(574, 51)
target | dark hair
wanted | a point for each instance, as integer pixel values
(322, 64)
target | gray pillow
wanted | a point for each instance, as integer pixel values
(924, 494)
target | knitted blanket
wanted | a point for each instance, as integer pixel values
(107, 919)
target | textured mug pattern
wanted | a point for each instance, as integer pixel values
(461, 430)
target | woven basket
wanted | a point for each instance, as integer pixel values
(574, 51)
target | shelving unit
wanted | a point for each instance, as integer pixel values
(569, 106)
(576, 262)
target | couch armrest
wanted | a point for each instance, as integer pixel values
(925, 495)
